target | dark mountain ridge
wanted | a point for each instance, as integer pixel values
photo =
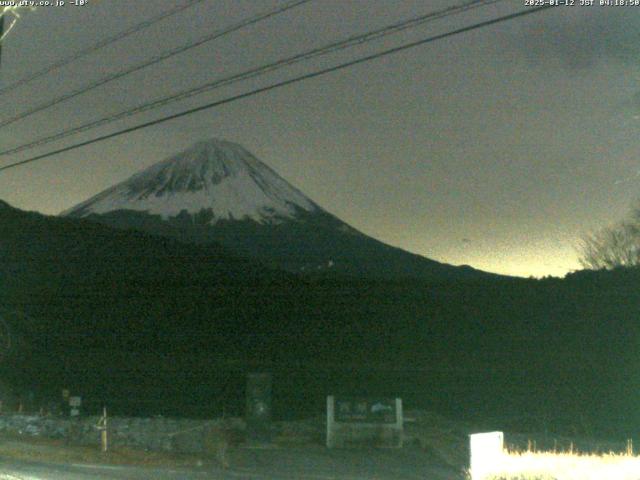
(216, 191)
(150, 325)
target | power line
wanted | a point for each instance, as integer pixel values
(258, 71)
(154, 60)
(100, 44)
(283, 83)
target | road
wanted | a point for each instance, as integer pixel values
(268, 464)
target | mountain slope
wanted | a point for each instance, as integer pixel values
(148, 325)
(83, 295)
(124, 289)
(216, 191)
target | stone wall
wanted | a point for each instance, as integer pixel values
(157, 433)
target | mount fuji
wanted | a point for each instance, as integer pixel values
(216, 191)
(217, 177)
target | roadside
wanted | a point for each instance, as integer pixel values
(38, 458)
(53, 451)
(435, 448)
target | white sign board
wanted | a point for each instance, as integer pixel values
(486, 453)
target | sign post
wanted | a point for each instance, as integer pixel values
(103, 427)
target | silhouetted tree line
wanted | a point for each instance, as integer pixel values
(151, 326)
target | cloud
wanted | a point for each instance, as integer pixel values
(579, 37)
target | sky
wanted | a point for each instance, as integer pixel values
(497, 148)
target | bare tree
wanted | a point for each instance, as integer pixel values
(8, 18)
(6, 26)
(13, 12)
(615, 246)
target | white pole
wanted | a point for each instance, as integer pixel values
(103, 434)
(330, 421)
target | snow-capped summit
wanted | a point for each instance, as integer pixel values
(217, 192)
(215, 176)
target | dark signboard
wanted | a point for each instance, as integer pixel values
(365, 410)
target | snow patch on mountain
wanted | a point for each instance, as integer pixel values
(216, 176)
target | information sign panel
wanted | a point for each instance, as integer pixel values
(361, 410)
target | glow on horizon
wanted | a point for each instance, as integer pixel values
(542, 259)
(535, 261)
(547, 257)
(527, 269)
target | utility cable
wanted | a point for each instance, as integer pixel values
(283, 83)
(97, 46)
(255, 72)
(154, 60)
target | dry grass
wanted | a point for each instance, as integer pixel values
(566, 466)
